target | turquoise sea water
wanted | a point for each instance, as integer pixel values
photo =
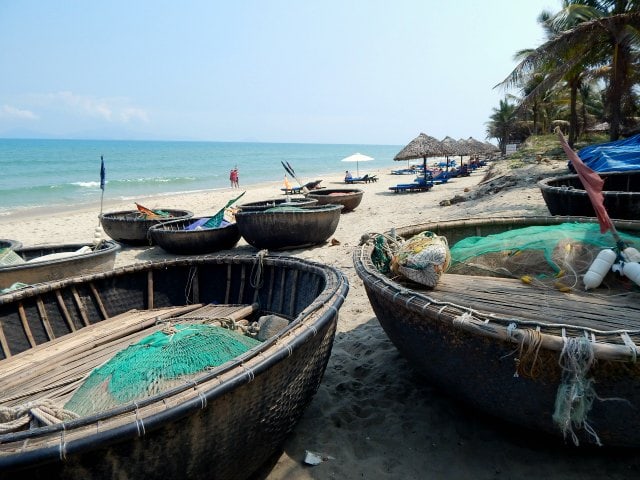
(36, 173)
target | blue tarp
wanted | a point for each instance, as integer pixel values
(619, 156)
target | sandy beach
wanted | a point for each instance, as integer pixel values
(373, 416)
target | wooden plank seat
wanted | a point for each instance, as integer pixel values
(509, 297)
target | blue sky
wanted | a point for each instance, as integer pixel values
(307, 71)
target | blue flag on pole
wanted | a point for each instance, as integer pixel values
(102, 173)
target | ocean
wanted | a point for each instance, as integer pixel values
(59, 173)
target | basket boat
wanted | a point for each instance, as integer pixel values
(349, 198)
(565, 195)
(225, 424)
(282, 228)
(172, 237)
(132, 228)
(101, 259)
(266, 204)
(470, 336)
(8, 243)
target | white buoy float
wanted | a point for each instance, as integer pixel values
(599, 269)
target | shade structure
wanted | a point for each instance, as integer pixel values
(454, 147)
(477, 147)
(422, 146)
(491, 148)
(357, 157)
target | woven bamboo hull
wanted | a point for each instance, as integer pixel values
(101, 260)
(129, 227)
(565, 195)
(279, 230)
(474, 360)
(237, 416)
(172, 237)
(349, 198)
(265, 204)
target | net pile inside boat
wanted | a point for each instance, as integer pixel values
(422, 258)
(555, 255)
(156, 363)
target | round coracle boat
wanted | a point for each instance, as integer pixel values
(349, 198)
(276, 202)
(178, 237)
(160, 420)
(32, 265)
(535, 351)
(281, 228)
(132, 226)
(565, 195)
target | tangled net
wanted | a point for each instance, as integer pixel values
(555, 256)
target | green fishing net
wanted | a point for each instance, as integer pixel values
(381, 255)
(555, 255)
(158, 362)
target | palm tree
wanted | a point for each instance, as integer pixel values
(503, 121)
(590, 104)
(587, 33)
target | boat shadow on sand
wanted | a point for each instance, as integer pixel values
(375, 413)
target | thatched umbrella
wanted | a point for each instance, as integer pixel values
(422, 146)
(491, 148)
(454, 147)
(476, 146)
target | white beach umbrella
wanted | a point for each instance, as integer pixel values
(357, 157)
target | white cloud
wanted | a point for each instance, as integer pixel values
(17, 113)
(112, 110)
(131, 113)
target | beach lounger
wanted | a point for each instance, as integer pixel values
(442, 177)
(410, 187)
(363, 179)
(313, 185)
(417, 186)
(463, 171)
(292, 190)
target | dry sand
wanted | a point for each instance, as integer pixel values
(373, 416)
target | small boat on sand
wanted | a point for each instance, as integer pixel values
(565, 195)
(177, 237)
(61, 341)
(276, 202)
(349, 198)
(131, 227)
(31, 265)
(546, 357)
(284, 227)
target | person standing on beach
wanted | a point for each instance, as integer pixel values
(233, 177)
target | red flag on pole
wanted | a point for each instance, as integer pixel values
(592, 183)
